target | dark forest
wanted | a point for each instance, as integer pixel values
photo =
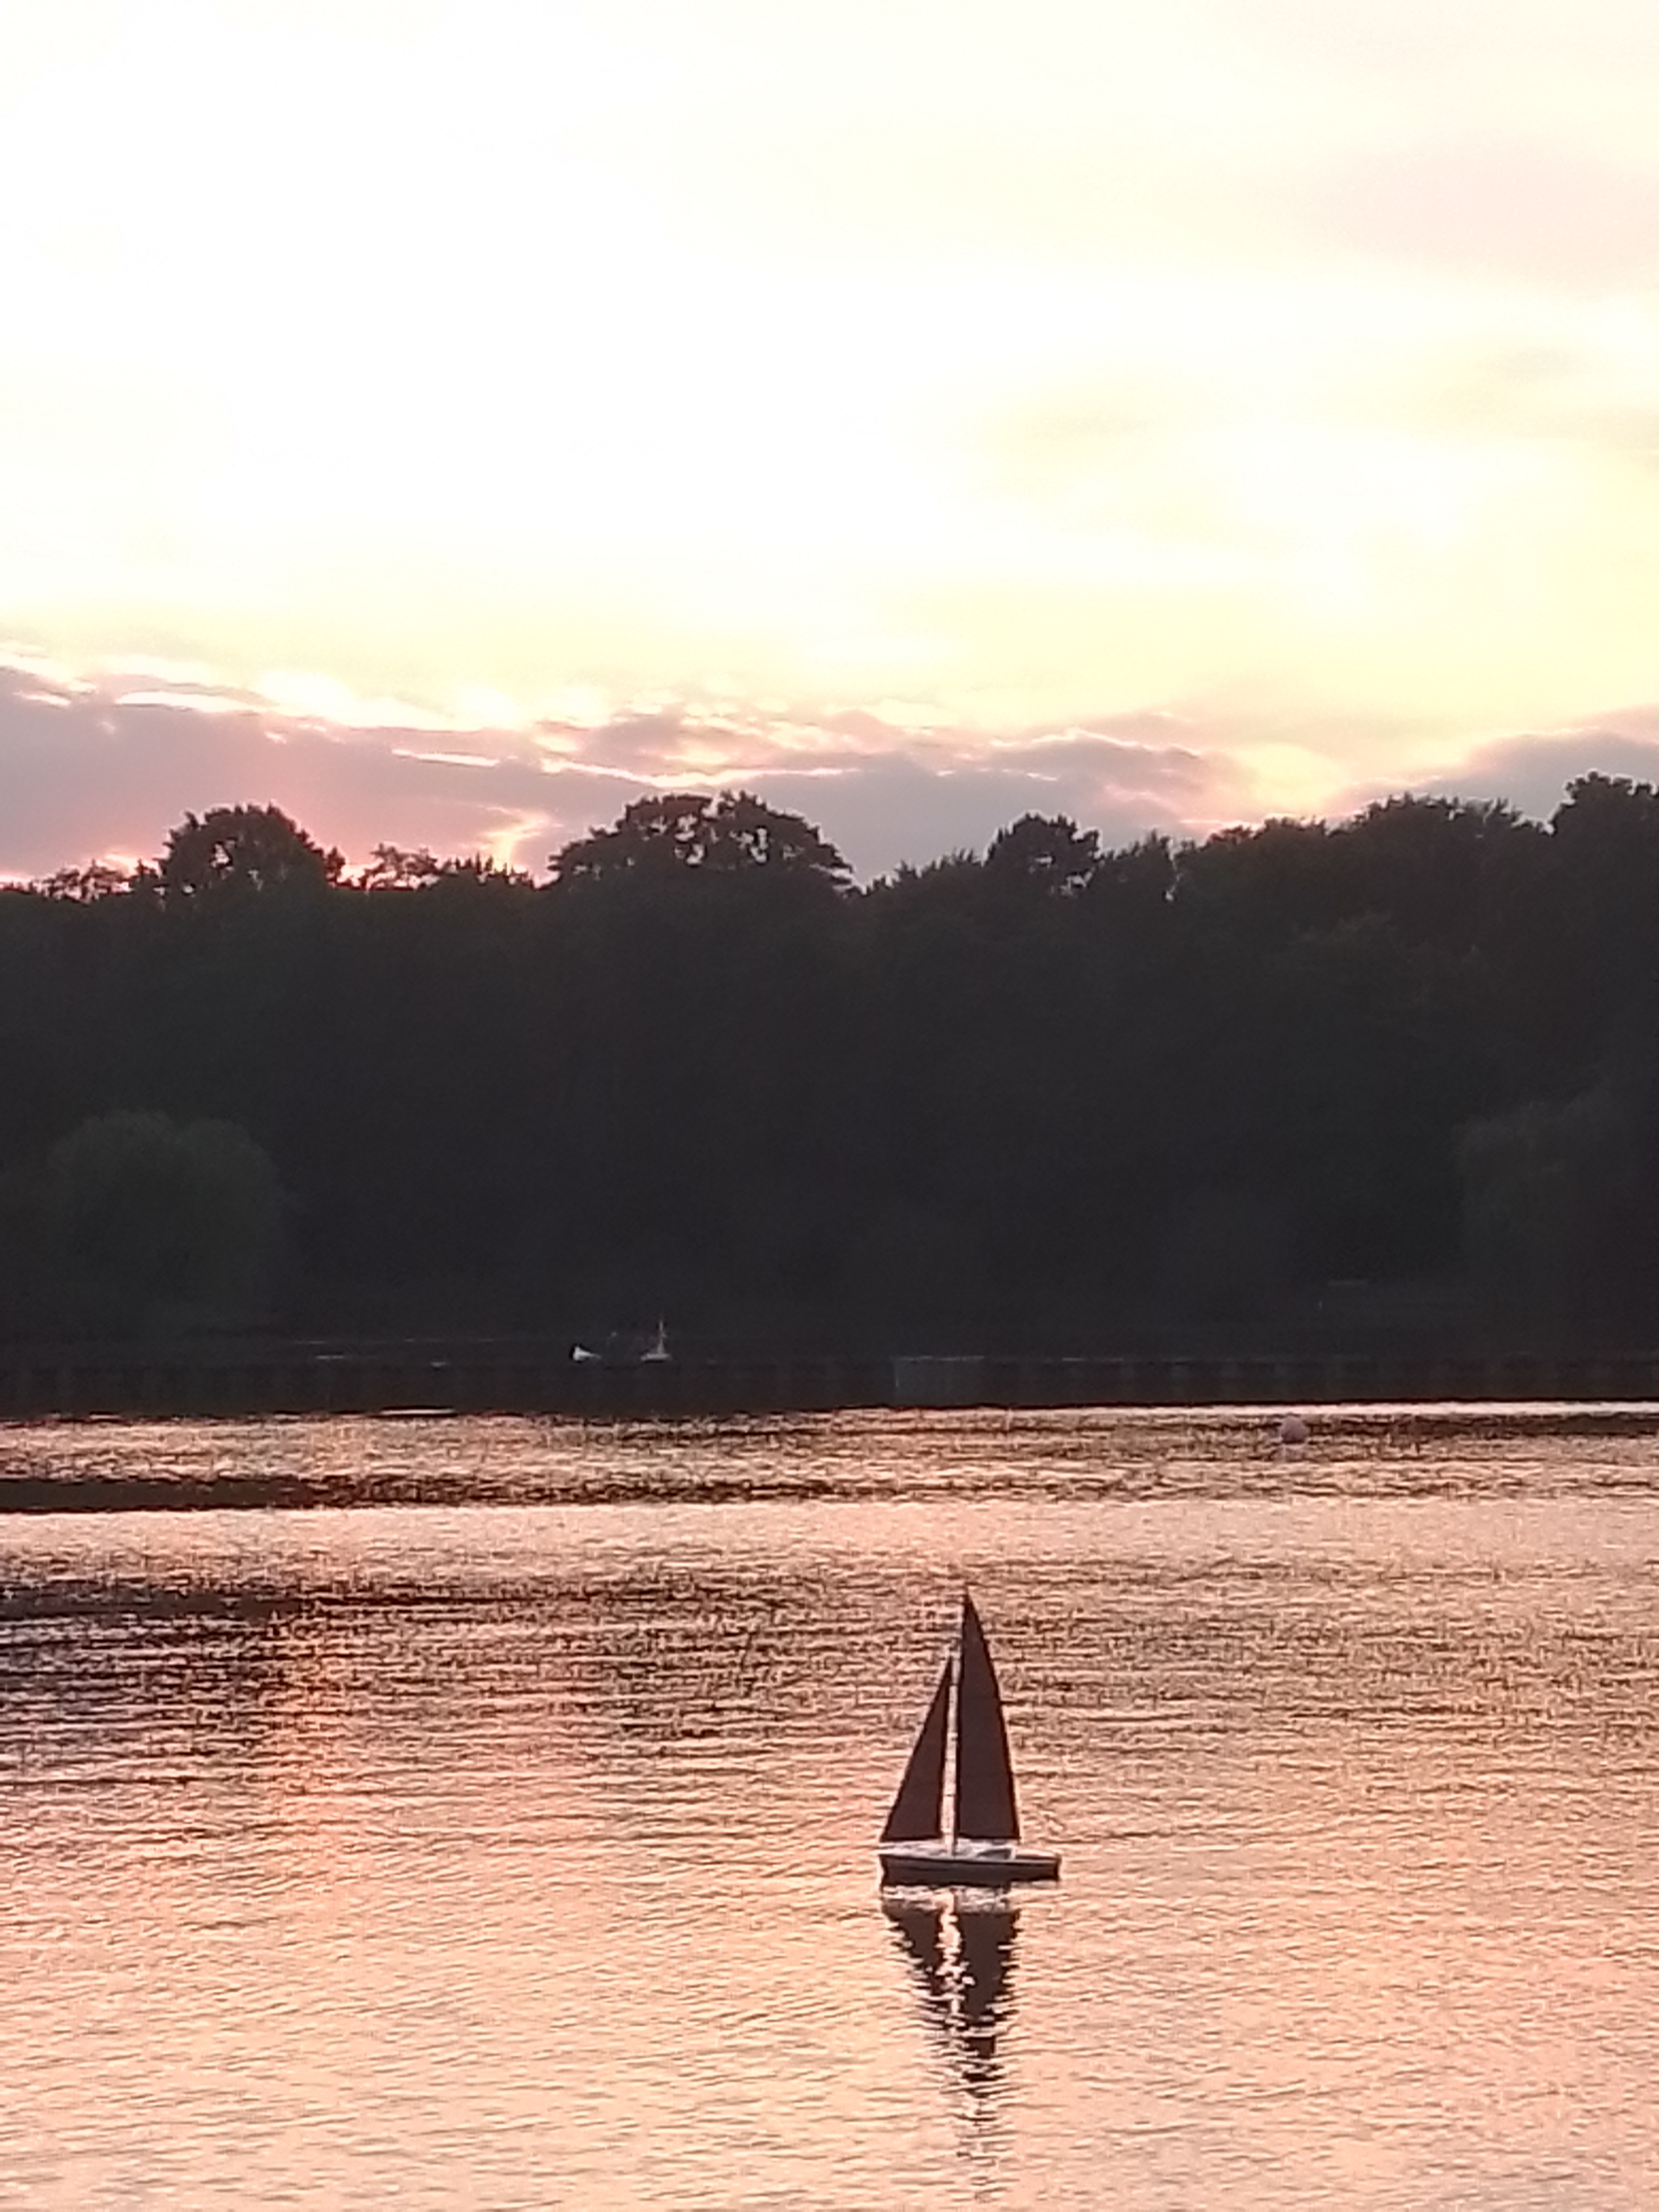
(1400, 1072)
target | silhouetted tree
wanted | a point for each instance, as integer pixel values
(99, 879)
(1026, 1095)
(253, 848)
(729, 833)
(391, 867)
(1044, 853)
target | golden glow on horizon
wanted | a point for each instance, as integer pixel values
(1027, 363)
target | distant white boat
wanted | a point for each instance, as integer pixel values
(626, 1348)
(983, 1845)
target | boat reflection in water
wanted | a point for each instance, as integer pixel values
(959, 1946)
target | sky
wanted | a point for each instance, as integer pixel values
(450, 421)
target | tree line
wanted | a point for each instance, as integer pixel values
(1044, 1095)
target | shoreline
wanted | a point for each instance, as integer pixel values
(242, 1383)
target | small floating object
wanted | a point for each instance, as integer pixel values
(1293, 1430)
(624, 1347)
(983, 1846)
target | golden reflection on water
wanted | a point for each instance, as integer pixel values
(523, 1853)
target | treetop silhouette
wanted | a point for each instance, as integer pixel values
(242, 848)
(728, 834)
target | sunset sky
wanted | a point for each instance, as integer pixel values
(448, 420)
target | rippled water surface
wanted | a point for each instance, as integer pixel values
(513, 1847)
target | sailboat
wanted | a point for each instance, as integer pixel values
(983, 1844)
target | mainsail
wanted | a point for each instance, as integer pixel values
(920, 1804)
(985, 1811)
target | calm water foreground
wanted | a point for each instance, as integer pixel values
(519, 1853)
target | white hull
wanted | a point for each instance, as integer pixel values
(950, 1866)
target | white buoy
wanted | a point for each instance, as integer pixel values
(1293, 1430)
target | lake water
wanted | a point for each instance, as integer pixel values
(518, 1852)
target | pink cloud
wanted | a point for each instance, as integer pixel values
(1532, 771)
(91, 770)
(87, 771)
